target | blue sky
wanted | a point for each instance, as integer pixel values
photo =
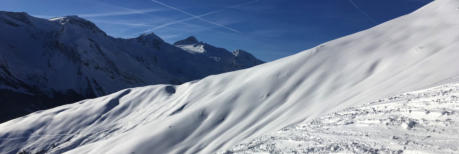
(270, 29)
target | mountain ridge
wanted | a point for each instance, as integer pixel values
(72, 58)
(196, 47)
(213, 114)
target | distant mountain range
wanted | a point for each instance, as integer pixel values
(50, 62)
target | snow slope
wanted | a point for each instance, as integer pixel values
(67, 59)
(409, 53)
(425, 121)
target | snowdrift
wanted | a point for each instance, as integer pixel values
(412, 52)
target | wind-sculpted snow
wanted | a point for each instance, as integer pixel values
(424, 121)
(210, 115)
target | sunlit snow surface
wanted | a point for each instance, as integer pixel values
(193, 48)
(409, 53)
(425, 121)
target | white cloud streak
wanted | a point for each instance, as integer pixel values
(126, 11)
(123, 23)
(192, 16)
(179, 21)
(363, 12)
(119, 13)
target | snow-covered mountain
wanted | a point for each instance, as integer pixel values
(238, 58)
(213, 114)
(45, 63)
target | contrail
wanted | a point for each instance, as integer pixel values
(119, 13)
(175, 22)
(202, 15)
(180, 21)
(109, 14)
(194, 17)
(199, 17)
(121, 23)
(363, 12)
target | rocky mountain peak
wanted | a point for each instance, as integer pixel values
(187, 41)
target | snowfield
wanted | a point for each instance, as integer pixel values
(425, 121)
(211, 115)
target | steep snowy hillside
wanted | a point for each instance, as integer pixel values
(213, 114)
(45, 63)
(424, 121)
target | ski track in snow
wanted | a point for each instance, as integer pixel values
(425, 121)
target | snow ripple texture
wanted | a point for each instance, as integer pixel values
(424, 121)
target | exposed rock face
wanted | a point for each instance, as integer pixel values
(238, 59)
